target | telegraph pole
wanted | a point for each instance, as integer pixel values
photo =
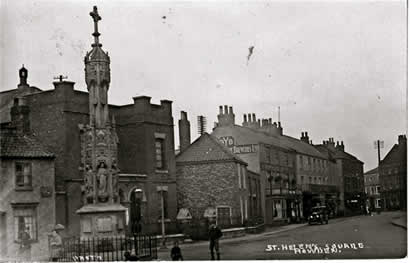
(377, 145)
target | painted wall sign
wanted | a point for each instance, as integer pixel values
(247, 148)
(227, 141)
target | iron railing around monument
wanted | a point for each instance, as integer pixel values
(114, 248)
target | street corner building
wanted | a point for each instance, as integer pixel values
(27, 207)
(213, 184)
(393, 176)
(296, 175)
(108, 158)
(372, 189)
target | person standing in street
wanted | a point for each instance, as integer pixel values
(176, 253)
(56, 243)
(214, 235)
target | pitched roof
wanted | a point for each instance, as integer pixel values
(372, 171)
(345, 155)
(14, 145)
(398, 153)
(302, 147)
(326, 151)
(207, 148)
(333, 153)
(282, 141)
(247, 135)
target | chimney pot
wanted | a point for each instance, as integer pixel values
(253, 117)
(249, 117)
(230, 110)
(220, 109)
(225, 109)
(244, 118)
(183, 115)
(270, 120)
(184, 131)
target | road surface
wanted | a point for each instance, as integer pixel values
(357, 237)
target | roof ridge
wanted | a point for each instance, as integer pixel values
(196, 153)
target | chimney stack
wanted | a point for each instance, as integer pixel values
(20, 117)
(340, 146)
(305, 137)
(226, 117)
(402, 139)
(184, 131)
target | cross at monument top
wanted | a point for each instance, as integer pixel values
(96, 17)
(94, 14)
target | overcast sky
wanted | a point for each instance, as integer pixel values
(336, 69)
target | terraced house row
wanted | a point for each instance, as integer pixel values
(295, 173)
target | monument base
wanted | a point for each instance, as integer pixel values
(102, 220)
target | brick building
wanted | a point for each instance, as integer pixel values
(348, 176)
(295, 174)
(314, 174)
(26, 189)
(372, 189)
(266, 155)
(145, 145)
(213, 183)
(393, 176)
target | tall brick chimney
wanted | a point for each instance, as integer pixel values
(226, 117)
(184, 131)
(20, 117)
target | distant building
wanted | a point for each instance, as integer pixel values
(393, 176)
(213, 183)
(295, 174)
(27, 207)
(372, 189)
(348, 176)
(315, 176)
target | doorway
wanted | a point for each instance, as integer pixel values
(3, 235)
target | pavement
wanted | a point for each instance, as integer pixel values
(400, 220)
(357, 237)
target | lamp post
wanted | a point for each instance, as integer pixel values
(377, 145)
(136, 211)
(161, 190)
